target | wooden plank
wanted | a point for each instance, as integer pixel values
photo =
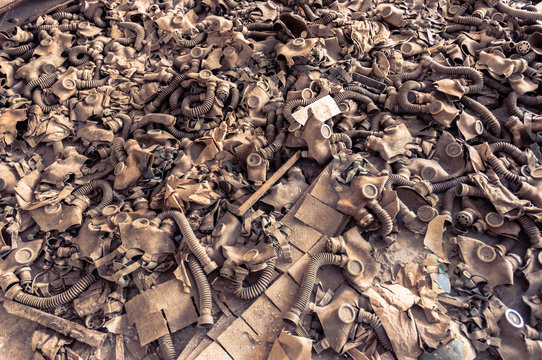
(267, 185)
(58, 324)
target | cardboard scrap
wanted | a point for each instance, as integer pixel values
(290, 347)
(433, 237)
(392, 305)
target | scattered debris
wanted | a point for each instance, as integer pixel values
(273, 180)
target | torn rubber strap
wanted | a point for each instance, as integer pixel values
(109, 261)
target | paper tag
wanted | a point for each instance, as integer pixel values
(323, 109)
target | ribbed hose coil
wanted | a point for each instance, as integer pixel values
(449, 184)
(189, 111)
(342, 137)
(138, 30)
(127, 122)
(404, 102)
(371, 108)
(383, 216)
(520, 14)
(270, 150)
(511, 103)
(307, 284)
(43, 82)
(107, 194)
(396, 179)
(473, 74)
(326, 19)
(498, 166)
(373, 321)
(38, 100)
(174, 98)
(190, 238)
(253, 291)
(511, 150)
(117, 148)
(90, 84)
(97, 17)
(19, 50)
(52, 302)
(448, 203)
(198, 39)
(261, 26)
(533, 232)
(235, 98)
(487, 116)
(530, 100)
(232, 4)
(164, 93)
(166, 347)
(204, 290)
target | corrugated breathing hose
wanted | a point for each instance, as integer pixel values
(97, 17)
(198, 39)
(396, 179)
(174, 98)
(497, 166)
(127, 122)
(326, 19)
(204, 291)
(383, 216)
(190, 238)
(520, 14)
(43, 82)
(511, 150)
(56, 300)
(533, 232)
(404, 102)
(270, 150)
(117, 150)
(468, 190)
(189, 111)
(496, 85)
(138, 30)
(375, 97)
(371, 108)
(38, 100)
(511, 103)
(530, 100)
(107, 195)
(292, 317)
(167, 349)
(19, 50)
(342, 137)
(374, 322)
(164, 93)
(475, 75)
(466, 20)
(90, 84)
(253, 291)
(235, 98)
(487, 116)
(448, 203)
(449, 184)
